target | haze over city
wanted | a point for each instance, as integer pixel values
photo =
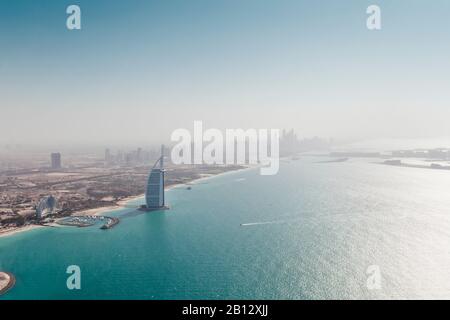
(328, 177)
(138, 70)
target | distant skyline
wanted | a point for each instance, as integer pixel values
(137, 70)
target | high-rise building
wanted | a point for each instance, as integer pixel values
(139, 155)
(154, 196)
(56, 160)
(107, 157)
(45, 206)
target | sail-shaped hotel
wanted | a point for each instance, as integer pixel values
(154, 195)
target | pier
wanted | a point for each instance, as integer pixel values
(110, 223)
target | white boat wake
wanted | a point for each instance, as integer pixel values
(268, 222)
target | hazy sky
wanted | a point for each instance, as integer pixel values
(137, 70)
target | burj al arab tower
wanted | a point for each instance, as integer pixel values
(154, 195)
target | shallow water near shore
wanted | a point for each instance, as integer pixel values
(309, 232)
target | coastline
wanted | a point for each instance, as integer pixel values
(123, 202)
(10, 232)
(119, 204)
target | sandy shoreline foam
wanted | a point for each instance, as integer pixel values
(119, 204)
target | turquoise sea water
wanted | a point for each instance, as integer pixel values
(309, 232)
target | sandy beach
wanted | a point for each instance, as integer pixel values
(7, 281)
(12, 231)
